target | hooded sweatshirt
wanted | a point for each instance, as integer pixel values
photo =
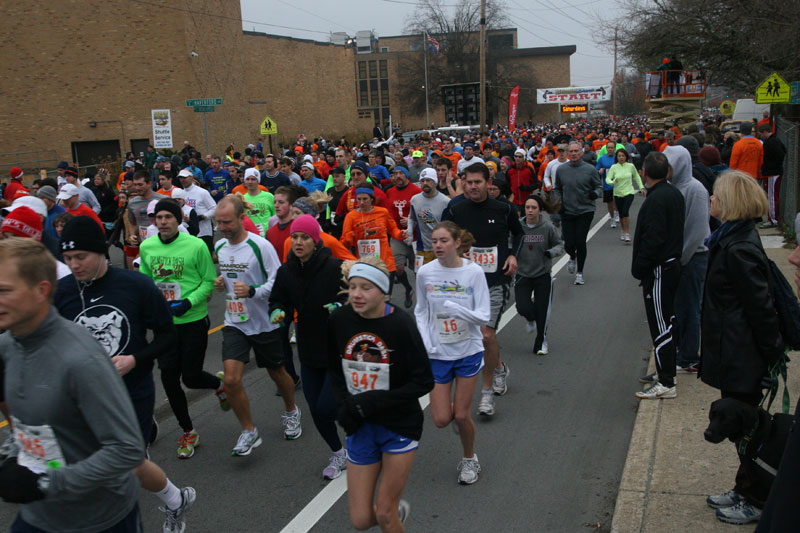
(695, 196)
(539, 245)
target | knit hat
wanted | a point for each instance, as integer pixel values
(47, 193)
(428, 174)
(23, 222)
(171, 206)
(306, 224)
(62, 164)
(252, 172)
(360, 165)
(709, 156)
(72, 171)
(690, 143)
(15, 173)
(82, 233)
(305, 206)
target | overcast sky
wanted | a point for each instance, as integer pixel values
(538, 23)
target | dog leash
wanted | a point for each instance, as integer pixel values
(772, 391)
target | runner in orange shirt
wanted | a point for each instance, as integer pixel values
(368, 228)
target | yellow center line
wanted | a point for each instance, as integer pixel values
(216, 329)
(4, 423)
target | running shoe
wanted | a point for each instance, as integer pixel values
(579, 279)
(187, 443)
(291, 424)
(293, 338)
(616, 216)
(530, 327)
(175, 521)
(409, 301)
(657, 392)
(336, 465)
(741, 513)
(486, 406)
(627, 238)
(499, 385)
(688, 369)
(468, 470)
(622, 237)
(247, 441)
(403, 510)
(7, 447)
(649, 379)
(571, 266)
(153, 432)
(224, 404)
(543, 350)
(613, 223)
(726, 499)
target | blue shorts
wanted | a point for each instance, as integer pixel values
(445, 371)
(365, 446)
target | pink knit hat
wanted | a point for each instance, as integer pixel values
(308, 225)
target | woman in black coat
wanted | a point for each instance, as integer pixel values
(101, 187)
(310, 282)
(740, 333)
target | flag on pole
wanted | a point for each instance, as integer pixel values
(433, 44)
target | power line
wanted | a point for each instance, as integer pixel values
(328, 20)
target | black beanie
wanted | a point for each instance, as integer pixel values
(171, 206)
(83, 233)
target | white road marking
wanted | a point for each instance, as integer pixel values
(327, 497)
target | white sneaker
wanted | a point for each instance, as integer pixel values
(571, 266)
(627, 238)
(293, 338)
(622, 237)
(175, 520)
(616, 216)
(336, 465)
(530, 327)
(486, 406)
(579, 279)
(468, 470)
(657, 392)
(499, 384)
(613, 223)
(544, 349)
(247, 441)
(291, 424)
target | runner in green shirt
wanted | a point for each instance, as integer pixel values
(263, 202)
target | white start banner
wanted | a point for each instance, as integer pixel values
(597, 93)
(162, 128)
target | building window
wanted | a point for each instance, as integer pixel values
(385, 113)
(384, 49)
(362, 70)
(384, 70)
(373, 69)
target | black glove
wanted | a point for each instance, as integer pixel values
(350, 415)
(180, 307)
(593, 195)
(18, 484)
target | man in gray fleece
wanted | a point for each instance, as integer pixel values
(694, 258)
(76, 435)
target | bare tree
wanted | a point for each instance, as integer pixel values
(457, 32)
(737, 42)
(630, 87)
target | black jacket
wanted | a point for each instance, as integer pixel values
(774, 153)
(306, 287)
(740, 335)
(659, 229)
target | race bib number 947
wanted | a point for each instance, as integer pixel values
(362, 376)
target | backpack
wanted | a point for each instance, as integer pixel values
(786, 305)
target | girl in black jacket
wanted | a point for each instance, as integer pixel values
(310, 283)
(740, 333)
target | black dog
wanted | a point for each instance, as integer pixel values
(760, 439)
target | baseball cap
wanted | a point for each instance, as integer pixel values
(178, 193)
(185, 173)
(62, 164)
(129, 164)
(151, 207)
(417, 153)
(67, 191)
(161, 159)
(31, 202)
(428, 174)
(308, 165)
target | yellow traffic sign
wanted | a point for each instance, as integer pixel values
(727, 107)
(773, 90)
(270, 127)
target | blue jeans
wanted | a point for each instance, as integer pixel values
(688, 301)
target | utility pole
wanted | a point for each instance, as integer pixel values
(425, 56)
(614, 79)
(483, 67)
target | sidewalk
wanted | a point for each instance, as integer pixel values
(670, 468)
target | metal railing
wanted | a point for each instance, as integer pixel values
(30, 161)
(675, 84)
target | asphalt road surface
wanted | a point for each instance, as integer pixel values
(551, 457)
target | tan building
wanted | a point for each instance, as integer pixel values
(84, 84)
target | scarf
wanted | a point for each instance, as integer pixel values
(728, 227)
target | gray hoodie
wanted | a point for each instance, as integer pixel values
(696, 228)
(539, 245)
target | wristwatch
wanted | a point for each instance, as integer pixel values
(252, 292)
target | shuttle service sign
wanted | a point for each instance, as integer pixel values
(570, 95)
(162, 128)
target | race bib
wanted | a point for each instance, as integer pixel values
(236, 309)
(419, 260)
(369, 247)
(451, 329)
(142, 233)
(486, 258)
(362, 376)
(171, 291)
(38, 447)
(260, 228)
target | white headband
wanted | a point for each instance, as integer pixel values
(370, 273)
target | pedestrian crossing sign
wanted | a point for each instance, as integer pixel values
(773, 90)
(270, 127)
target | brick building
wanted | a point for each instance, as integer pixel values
(84, 83)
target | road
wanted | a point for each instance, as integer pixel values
(551, 457)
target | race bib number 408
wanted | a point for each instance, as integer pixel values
(486, 258)
(362, 376)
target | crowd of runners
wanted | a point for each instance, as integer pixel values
(304, 247)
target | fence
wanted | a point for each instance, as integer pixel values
(789, 135)
(28, 161)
